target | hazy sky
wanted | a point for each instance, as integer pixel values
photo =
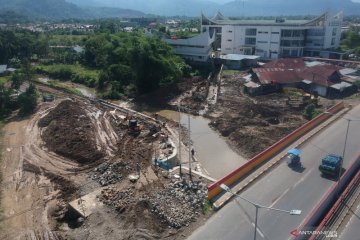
(225, 1)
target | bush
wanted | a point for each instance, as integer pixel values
(74, 73)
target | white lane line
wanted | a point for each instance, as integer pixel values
(281, 196)
(303, 178)
(258, 230)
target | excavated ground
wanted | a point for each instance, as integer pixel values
(252, 124)
(69, 132)
(71, 148)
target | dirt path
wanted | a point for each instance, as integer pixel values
(23, 193)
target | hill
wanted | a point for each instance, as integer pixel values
(234, 8)
(286, 7)
(61, 9)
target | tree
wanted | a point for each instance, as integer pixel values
(28, 101)
(16, 80)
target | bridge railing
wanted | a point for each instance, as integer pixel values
(214, 189)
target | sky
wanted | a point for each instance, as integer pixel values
(225, 1)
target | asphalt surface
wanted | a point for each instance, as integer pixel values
(211, 149)
(285, 188)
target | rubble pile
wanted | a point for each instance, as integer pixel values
(119, 200)
(179, 204)
(110, 173)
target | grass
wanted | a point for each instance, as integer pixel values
(228, 72)
(57, 84)
(207, 207)
(4, 79)
(75, 73)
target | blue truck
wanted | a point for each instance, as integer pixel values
(331, 165)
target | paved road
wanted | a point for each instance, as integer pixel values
(285, 188)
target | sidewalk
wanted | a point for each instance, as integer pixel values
(245, 182)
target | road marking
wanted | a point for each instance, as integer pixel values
(303, 178)
(281, 196)
(258, 230)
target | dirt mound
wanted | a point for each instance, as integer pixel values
(69, 132)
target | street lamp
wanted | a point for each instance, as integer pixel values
(346, 136)
(257, 206)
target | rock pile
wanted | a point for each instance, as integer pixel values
(110, 173)
(117, 199)
(179, 204)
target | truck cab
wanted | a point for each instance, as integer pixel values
(331, 164)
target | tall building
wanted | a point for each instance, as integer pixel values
(272, 39)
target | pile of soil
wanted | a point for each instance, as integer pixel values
(68, 131)
(252, 124)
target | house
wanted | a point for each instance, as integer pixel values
(3, 69)
(324, 80)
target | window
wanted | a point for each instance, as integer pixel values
(229, 40)
(294, 53)
(250, 31)
(334, 32)
(250, 41)
(262, 42)
(286, 33)
(264, 32)
(230, 31)
(333, 41)
(275, 33)
(274, 42)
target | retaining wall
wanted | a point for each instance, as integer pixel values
(214, 189)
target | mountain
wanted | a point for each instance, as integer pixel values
(286, 7)
(234, 8)
(61, 9)
(159, 7)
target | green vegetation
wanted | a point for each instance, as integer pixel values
(74, 73)
(207, 206)
(28, 101)
(66, 40)
(57, 84)
(21, 44)
(132, 63)
(311, 111)
(228, 72)
(351, 40)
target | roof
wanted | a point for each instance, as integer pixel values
(321, 74)
(219, 19)
(287, 63)
(3, 68)
(341, 86)
(276, 75)
(238, 57)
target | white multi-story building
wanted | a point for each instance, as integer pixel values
(195, 49)
(273, 39)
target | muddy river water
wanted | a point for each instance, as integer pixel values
(211, 150)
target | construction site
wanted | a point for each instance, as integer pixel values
(84, 168)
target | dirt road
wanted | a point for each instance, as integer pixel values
(23, 193)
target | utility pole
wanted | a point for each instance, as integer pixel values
(179, 149)
(189, 144)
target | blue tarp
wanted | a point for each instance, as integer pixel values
(295, 151)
